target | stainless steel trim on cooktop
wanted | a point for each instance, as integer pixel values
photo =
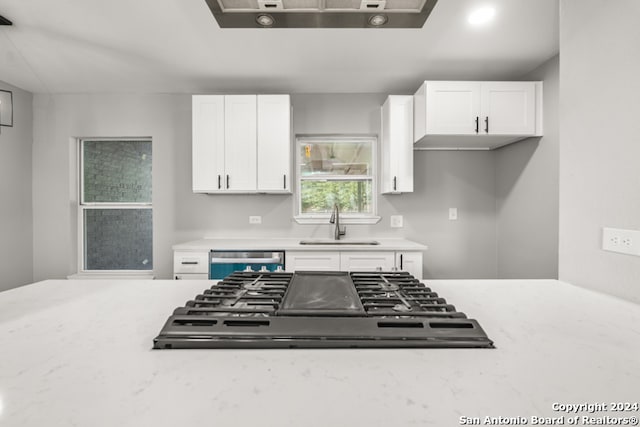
(321, 13)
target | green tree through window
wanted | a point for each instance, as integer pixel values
(335, 170)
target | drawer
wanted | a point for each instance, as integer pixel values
(312, 261)
(190, 262)
(191, 276)
(367, 261)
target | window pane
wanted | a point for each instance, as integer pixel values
(117, 171)
(335, 158)
(118, 239)
(351, 196)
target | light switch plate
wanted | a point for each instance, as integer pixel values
(621, 241)
(396, 221)
(255, 219)
(453, 214)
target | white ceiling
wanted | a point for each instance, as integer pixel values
(71, 46)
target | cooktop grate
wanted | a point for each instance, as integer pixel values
(319, 309)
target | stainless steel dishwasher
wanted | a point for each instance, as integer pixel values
(223, 263)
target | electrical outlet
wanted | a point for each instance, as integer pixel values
(396, 221)
(621, 241)
(255, 219)
(453, 214)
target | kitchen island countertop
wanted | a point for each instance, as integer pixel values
(79, 353)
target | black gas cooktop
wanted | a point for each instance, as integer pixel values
(319, 310)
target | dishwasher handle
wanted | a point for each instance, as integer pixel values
(274, 260)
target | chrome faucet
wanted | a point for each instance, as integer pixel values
(335, 219)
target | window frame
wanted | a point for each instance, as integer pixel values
(82, 206)
(345, 218)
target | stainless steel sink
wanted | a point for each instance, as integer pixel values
(339, 242)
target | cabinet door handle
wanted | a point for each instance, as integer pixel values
(284, 181)
(219, 182)
(394, 183)
(227, 181)
(477, 124)
(189, 263)
(486, 124)
(400, 261)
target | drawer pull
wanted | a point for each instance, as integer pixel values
(189, 262)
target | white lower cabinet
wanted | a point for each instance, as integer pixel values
(190, 265)
(195, 265)
(367, 261)
(411, 262)
(312, 261)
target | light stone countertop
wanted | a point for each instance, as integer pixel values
(293, 243)
(79, 353)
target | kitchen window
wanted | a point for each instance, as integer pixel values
(336, 170)
(114, 210)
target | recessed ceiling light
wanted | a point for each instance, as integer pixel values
(378, 20)
(265, 20)
(481, 16)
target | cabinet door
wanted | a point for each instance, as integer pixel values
(312, 261)
(240, 142)
(274, 143)
(411, 262)
(508, 108)
(367, 261)
(452, 107)
(207, 143)
(397, 144)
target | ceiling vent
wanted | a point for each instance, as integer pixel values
(321, 13)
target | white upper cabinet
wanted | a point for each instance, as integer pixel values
(208, 142)
(274, 143)
(508, 108)
(397, 145)
(476, 115)
(241, 143)
(451, 108)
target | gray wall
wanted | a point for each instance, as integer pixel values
(58, 120)
(600, 149)
(527, 193)
(461, 249)
(16, 235)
